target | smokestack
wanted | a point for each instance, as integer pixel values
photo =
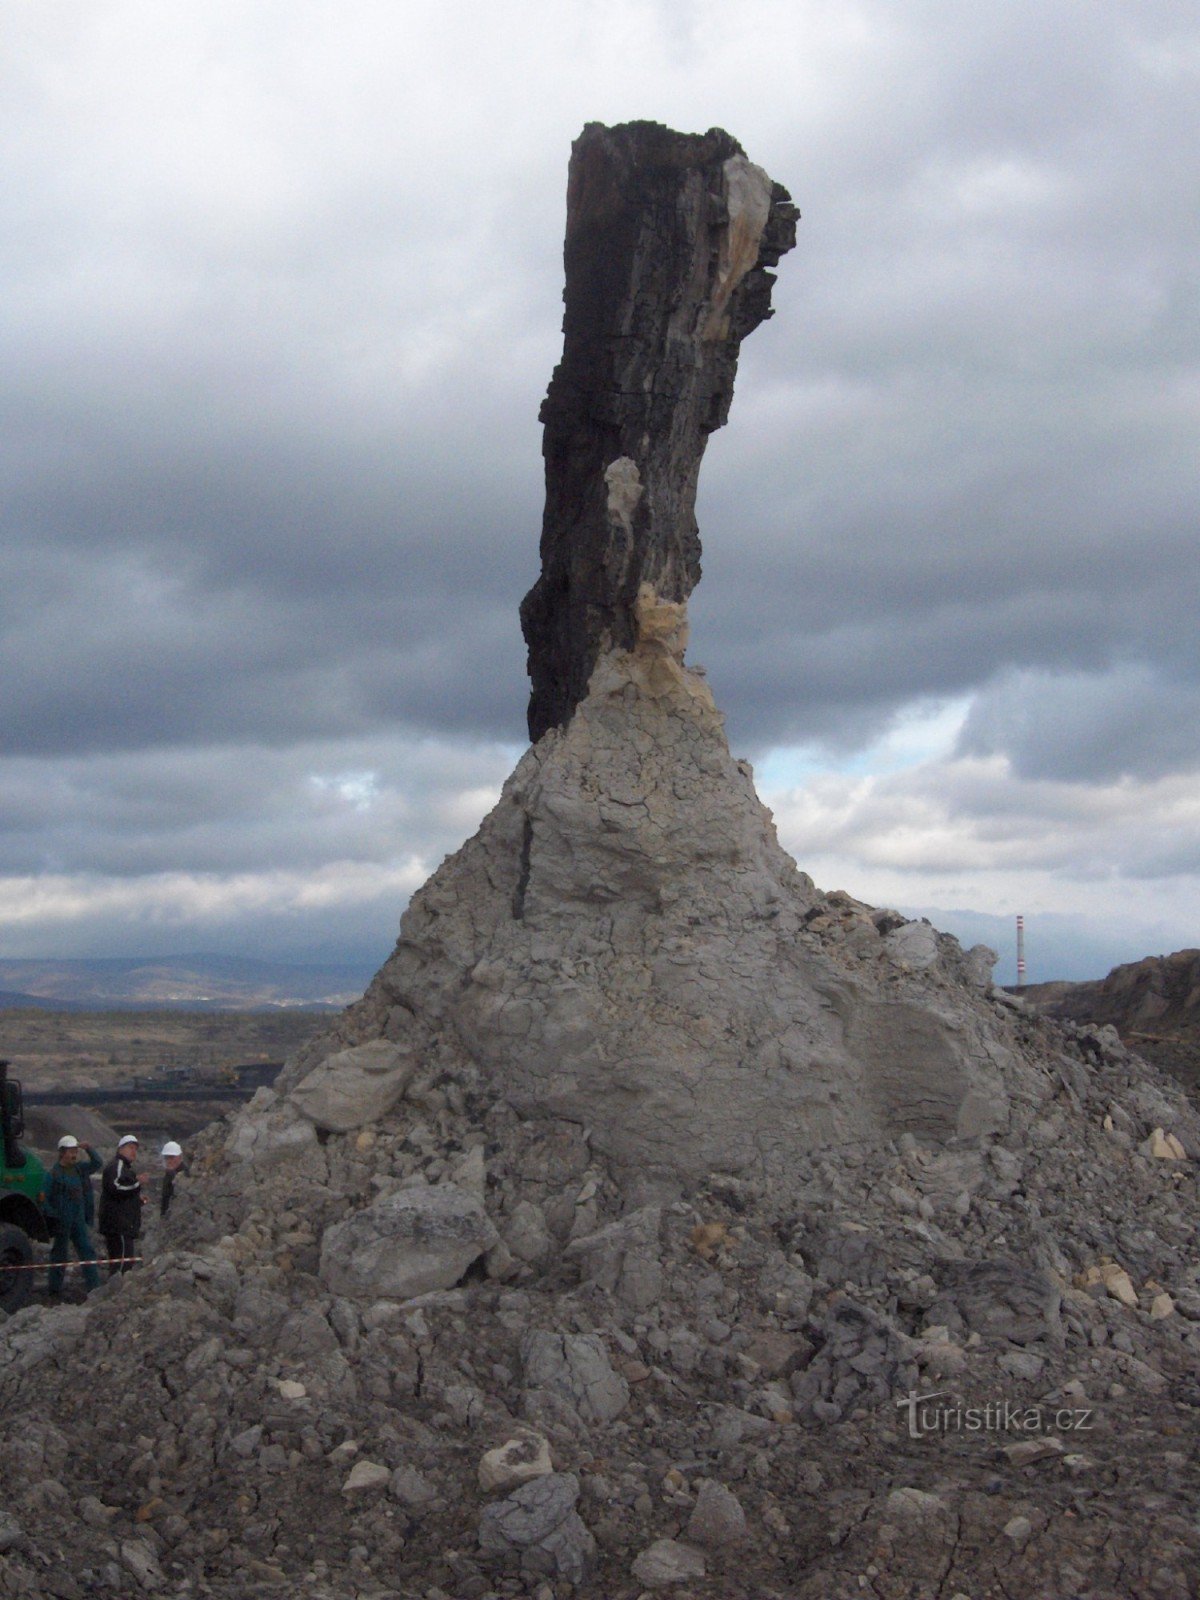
(1020, 952)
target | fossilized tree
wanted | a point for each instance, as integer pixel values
(668, 244)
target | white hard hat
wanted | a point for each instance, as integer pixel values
(127, 1138)
(172, 1149)
(68, 1142)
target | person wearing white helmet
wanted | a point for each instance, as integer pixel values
(69, 1206)
(172, 1160)
(121, 1202)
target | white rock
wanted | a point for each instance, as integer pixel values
(365, 1475)
(277, 1132)
(355, 1086)
(575, 1368)
(911, 1502)
(915, 945)
(667, 1561)
(624, 1258)
(1164, 1146)
(527, 1235)
(516, 1461)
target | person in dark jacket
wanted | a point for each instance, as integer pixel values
(172, 1160)
(69, 1207)
(121, 1202)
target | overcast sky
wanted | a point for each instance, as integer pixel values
(280, 294)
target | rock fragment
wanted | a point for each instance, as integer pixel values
(1162, 1146)
(365, 1476)
(406, 1243)
(538, 1526)
(356, 1086)
(667, 1562)
(515, 1462)
(574, 1369)
(717, 1519)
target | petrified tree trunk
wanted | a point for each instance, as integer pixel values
(669, 236)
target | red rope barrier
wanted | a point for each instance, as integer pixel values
(62, 1266)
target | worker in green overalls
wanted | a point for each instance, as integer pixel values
(70, 1206)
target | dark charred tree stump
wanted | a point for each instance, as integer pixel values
(669, 238)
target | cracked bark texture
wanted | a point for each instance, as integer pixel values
(668, 244)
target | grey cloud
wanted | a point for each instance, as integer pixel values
(1078, 727)
(239, 809)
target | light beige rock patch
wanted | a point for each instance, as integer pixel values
(1163, 1146)
(516, 1461)
(355, 1086)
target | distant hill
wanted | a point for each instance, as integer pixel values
(1154, 1004)
(186, 982)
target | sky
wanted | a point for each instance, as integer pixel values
(280, 294)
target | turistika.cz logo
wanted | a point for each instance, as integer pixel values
(926, 1415)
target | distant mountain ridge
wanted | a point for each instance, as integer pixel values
(186, 982)
(1154, 1004)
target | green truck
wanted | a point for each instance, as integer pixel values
(22, 1180)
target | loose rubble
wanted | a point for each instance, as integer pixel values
(703, 1393)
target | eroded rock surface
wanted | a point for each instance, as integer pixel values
(625, 943)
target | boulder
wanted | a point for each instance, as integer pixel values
(575, 1369)
(624, 1258)
(527, 1235)
(539, 1526)
(517, 1461)
(406, 1243)
(269, 1129)
(667, 1562)
(354, 1086)
(717, 1518)
(366, 1475)
(914, 945)
(998, 1298)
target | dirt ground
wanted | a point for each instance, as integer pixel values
(103, 1049)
